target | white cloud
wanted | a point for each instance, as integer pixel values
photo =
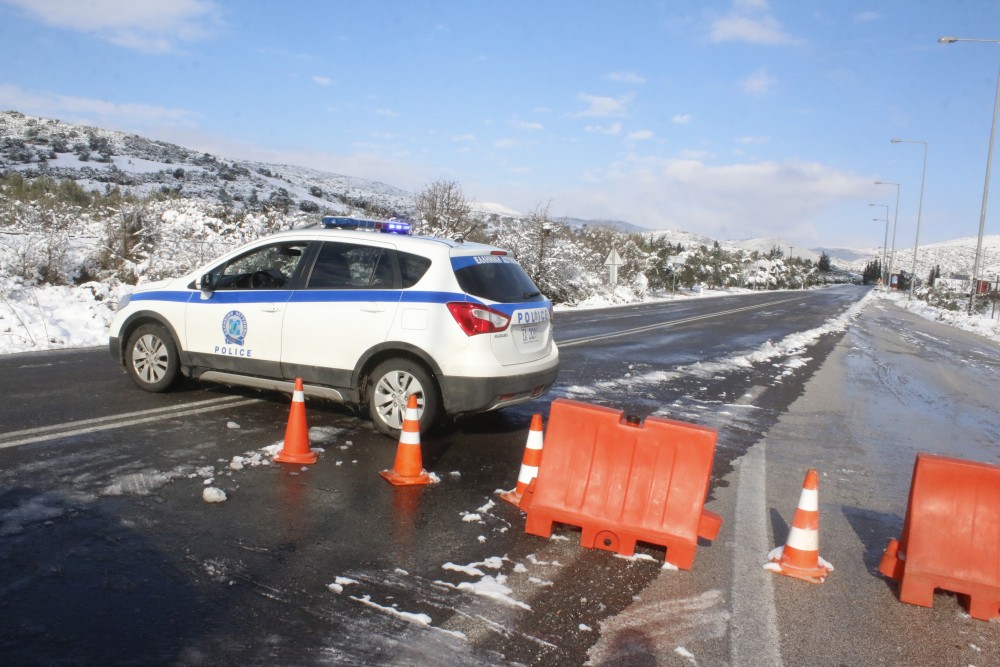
(322, 80)
(525, 125)
(86, 110)
(725, 201)
(758, 83)
(752, 140)
(681, 119)
(465, 138)
(765, 30)
(504, 144)
(614, 128)
(153, 27)
(750, 21)
(625, 77)
(640, 135)
(600, 106)
(693, 154)
(867, 17)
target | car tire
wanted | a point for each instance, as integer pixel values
(151, 358)
(389, 387)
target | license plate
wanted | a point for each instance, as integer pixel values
(529, 334)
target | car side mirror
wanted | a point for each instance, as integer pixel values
(206, 283)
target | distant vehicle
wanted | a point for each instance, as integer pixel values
(363, 318)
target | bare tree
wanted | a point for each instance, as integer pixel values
(443, 210)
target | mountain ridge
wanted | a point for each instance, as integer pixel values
(97, 157)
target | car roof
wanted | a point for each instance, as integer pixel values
(401, 241)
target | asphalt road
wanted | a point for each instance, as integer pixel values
(110, 555)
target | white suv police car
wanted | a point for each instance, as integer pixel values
(363, 318)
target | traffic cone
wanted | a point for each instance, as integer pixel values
(529, 463)
(296, 445)
(799, 557)
(408, 469)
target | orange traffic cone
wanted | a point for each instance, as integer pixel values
(408, 469)
(529, 463)
(799, 557)
(296, 446)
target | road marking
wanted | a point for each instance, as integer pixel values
(753, 639)
(83, 426)
(665, 325)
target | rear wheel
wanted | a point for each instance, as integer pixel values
(151, 358)
(390, 386)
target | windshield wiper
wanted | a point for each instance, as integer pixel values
(531, 295)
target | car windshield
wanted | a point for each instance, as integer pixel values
(497, 278)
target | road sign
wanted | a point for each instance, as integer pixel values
(613, 262)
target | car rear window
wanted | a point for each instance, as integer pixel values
(496, 278)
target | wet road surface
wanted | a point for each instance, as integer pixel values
(109, 554)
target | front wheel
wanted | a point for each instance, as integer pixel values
(151, 358)
(389, 388)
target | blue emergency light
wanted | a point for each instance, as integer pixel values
(384, 226)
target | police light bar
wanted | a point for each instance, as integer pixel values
(384, 226)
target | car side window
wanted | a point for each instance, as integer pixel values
(412, 268)
(350, 266)
(268, 267)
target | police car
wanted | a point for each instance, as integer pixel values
(361, 311)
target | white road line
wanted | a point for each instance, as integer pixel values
(753, 637)
(84, 426)
(664, 325)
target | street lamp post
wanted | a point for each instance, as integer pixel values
(989, 161)
(920, 208)
(895, 219)
(885, 243)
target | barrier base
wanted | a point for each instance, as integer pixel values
(680, 551)
(917, 588)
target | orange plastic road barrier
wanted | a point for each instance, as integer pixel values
(529, 463)
(951, 535)
(623, 481)
(296, 446)
(799, 557)
(409, 467)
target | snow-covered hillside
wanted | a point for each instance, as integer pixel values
(99, 159)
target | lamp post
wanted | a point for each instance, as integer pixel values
(989, 161)
(920, 208)
(895, 219)
(885, 242)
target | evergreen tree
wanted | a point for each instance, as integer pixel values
(824, 263)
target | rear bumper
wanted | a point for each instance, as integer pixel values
(462, 395)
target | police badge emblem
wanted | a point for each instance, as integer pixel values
(234, 327)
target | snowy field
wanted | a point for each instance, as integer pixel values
(49, 317)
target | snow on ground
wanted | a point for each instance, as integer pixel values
(42, 318)
(983, 325)
(48, 317)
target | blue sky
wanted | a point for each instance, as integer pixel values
(735, 119)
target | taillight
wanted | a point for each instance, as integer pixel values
(476, 319)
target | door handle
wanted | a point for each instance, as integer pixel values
(270, 308)
(372, 307)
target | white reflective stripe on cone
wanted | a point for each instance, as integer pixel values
(803, 539)
(527, 474)
(809, 500)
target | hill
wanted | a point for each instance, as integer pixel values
(102, 159)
